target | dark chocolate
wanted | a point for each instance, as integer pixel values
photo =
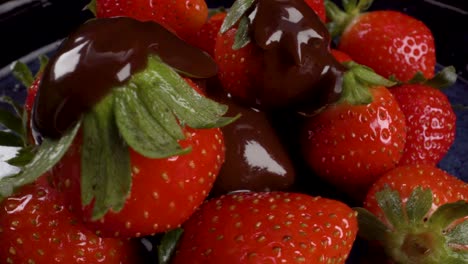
(298, 67)
(103, 54)
(255, 159)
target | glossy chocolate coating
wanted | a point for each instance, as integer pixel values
(255, 159)
(298, 67)
(103, 54)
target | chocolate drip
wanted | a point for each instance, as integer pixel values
(103, 54)
(298, 67)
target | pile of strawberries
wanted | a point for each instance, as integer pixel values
(379, 144)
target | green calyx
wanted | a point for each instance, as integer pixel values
(358, 81)
(414, 235)
(148, 114)
(339, 18)
(237, 15)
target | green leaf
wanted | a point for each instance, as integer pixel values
(18, 108)
(139, 128)
(168, 245)
(23, 157)
(418, 205)
(242, 37)
(459, 234)
(105, 161)
(10, 139)
(353, 92)
(369, 77)
(11, 121)
(190, 107)
(444, 78)
(48, 154)
(370, 227)
(448, 213)
(237, 10)
(92, 7)
(418, 78)
(22, 73)
(390, 203)
(43, 60)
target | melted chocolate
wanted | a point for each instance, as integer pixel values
(103, 54)
(298, 67)
(255, 159)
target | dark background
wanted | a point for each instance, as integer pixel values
(26, 25)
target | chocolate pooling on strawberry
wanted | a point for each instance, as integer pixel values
(101, 55)
(298, 69)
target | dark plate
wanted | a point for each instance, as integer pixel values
(29, 28)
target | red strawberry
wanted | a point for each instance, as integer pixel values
(239, 70)
(164, 192)
(35, 227)
(419, 214)
(351, 143)
(319, 7)
(268, 228)
(182, 16)
(430, 122)
(32, 90)
(205, 38)
(340, 55)
(390, 42)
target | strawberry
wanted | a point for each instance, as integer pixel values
(273, 227)
(418, 214)
(319, 7)
(430, 123)
(181, 16)
(205, 38)
(390, 42)
(340, 55)
(164, 192)
(143, 156)
(269, 58)
(239, 70)
(352, 142)
(35, 227)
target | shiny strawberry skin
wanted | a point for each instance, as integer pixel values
(35, 227)
(164, 192)
(351, 146)
(205, 38)
(340, 55)
(268, 228)
(404, 179)
(430, 123)
(391, 43)
(239, 70)
(319, 7)
(181, 16)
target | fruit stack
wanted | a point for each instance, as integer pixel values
(275, 131)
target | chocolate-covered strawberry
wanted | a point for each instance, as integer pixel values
(126, 119)
(256, 159)
(274, 53)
